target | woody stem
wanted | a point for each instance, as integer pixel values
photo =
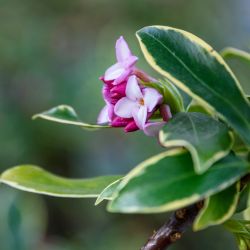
(173, 229)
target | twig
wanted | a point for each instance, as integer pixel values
(173, 229)
(244, 181)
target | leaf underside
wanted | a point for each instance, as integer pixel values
(218, 208)
(34, 179)
(108, 192)
(66, 115)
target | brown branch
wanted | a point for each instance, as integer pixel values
(173, 229)
(178, 223)
(244, 181)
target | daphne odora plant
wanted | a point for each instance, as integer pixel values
(197, 111)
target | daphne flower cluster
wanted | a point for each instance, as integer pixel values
(129, 103)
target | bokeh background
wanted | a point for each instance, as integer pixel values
(52, 52)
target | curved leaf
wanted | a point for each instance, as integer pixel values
(36, 180)
(243, 200)
(197, 69)
(218, 208)
(194, 106)
(246, 212)
(108, 192)
(207, 139)
(66, 115)
(231, 53)
(168, 182)
(241, 231)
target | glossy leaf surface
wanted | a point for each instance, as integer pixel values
(207, 140)
(243, 203)
(197, 69)
(168, 181)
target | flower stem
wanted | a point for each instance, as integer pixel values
(173, 229)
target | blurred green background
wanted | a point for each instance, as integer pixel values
(52, 52)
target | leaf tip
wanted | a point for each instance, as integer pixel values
(35, 116)
(98, 200)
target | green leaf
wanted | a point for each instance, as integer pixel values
(192, 65)
(241, 231)
(66, 115)
(243, 200)
(108, 192)
(194, 106)
(36, 180)
(239, 147)
(232, 53)
(218, 208)
(168, 181)
(170, 93)
(186, 98)
(240, 227)
(246, 212)
(207, 140)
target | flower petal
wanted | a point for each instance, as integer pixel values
(122, 50)
(151, 98)
(130, 62)
(114, 72)
(122, 77)
(120, 89)
(106, 93)
(124, 107)
(133, 90)
(140, 116)
(111, 113)
(153, 128)
(103, 116)
(106, 82)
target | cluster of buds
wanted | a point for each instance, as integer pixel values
(129, 102)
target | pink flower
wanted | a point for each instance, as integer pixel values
(153, 128)
(106, 114)
(138, 103)
(112, 93)
(128, 104)
(118, 72)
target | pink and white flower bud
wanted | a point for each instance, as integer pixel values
(125, 63)
(128, 103)
(165, 112)
(131, 127)
(120, 122)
